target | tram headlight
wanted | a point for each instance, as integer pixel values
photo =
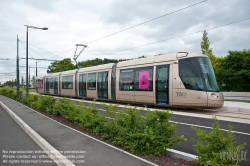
(214, 95)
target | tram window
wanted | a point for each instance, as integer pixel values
(126, 82)
(92, 81)
(50, 83)
(209, 75)
(144, 79)
(67, 82)
(47, 83)
(190, 74)
(82, 81)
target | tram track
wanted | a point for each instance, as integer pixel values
(187, 112)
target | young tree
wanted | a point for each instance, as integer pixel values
(205, 48)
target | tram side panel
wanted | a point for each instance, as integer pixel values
(144, 84)
(124, 85)
(91, 85)
(67, 85)
(95, 82)
(144, 81)
(53, 85)
(148, 84)
(40, 85)
(99, 84)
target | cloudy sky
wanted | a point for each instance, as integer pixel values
(72, 22)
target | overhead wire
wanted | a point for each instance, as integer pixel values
(139, 24)
(34, 51)
(182, 35)
(41, 49)
(25, 49)
(147, 21)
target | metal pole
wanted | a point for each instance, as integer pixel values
(27, 81)
(29, 76)
(36, 68)
(17, 66)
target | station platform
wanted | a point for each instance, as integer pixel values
(60, 140)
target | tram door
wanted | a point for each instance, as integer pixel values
(55, 85)
(82, 85)
(47, 85)
(102, 85)
(162, 84)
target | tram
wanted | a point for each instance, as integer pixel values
(182, 80)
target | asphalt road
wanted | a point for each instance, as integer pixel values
(16, 146)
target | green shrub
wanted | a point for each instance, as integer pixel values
(19, 95)
(151, 134)
(8, 92)
(126, 127)
(25, 98)
(3, 91)
(45, 103)
(67, 109)
(90, 119)
(32, 100)
(211, 146)
(11, 93)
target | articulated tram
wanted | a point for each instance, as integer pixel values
(182, 79)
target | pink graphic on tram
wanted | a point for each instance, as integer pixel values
(143, 80)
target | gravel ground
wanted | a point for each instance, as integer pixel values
(159, 160)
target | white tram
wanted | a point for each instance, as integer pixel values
(182, 79)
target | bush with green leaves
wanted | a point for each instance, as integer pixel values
(66, 108)
(30, 100)
(151, 134)
(11, 93)
(90, 119)
(3, 91)
(213, 146)
(7, 92)
(45, 103)
(19, 95)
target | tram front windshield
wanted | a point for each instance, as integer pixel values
(197, 73)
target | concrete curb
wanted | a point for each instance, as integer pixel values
(180, 155)
(54, 154)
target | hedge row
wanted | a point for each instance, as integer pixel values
(147, 135)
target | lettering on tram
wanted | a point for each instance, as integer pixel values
(143, 80)
(180, 94)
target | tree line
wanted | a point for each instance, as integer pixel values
(12, 83)
(232, 71)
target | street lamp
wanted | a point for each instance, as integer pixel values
(27, 81)
(4, 59)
